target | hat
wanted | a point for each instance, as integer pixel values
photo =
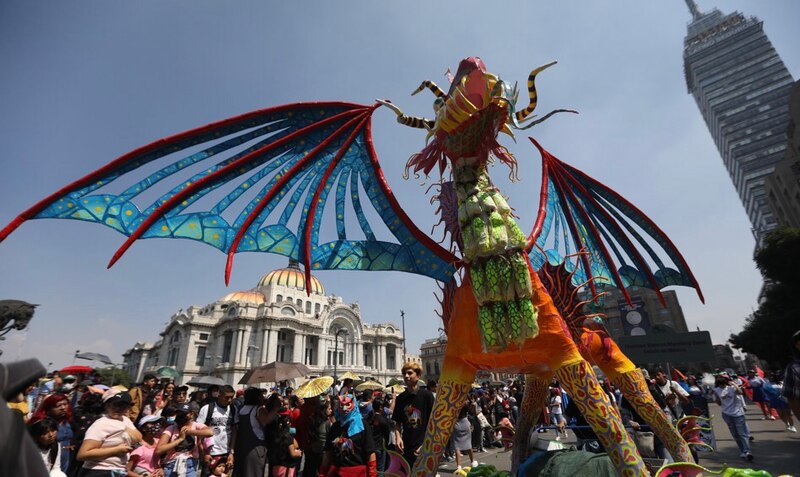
(149, 418)
(183, 408)
(113, 396)
(69, 377)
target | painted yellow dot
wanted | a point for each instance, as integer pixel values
(188, 183)
(164, 228)
(245, 186)
(185, 202)
(99, 182)
(128, 213)
(191, 226)
(278, 249)
(214, 222)
(85, 201)
(215, 236)
(98, 209)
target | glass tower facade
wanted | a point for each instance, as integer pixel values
(742, 89)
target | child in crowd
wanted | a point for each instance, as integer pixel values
(180, 442)
(44, 433)
(283, 450)
(144, 460)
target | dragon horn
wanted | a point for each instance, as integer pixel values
(431, 86)
(521, 115)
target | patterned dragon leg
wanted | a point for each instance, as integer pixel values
(576, 376)
(454, 384)
(529, 411)
(605, 353)
(634, 388)
(579, 381)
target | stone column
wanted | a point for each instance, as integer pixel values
(297, 348)
(272, 346)
(359, 354)
(322, 352)
(381, 358)
(264, 346)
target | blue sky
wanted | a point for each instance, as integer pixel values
(84, 82)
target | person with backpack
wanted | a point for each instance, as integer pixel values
(218, 416)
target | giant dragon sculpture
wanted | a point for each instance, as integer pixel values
(510, 299)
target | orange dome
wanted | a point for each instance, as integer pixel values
(291, 277)
(251, 296)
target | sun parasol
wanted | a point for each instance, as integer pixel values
(95, 357)
(76, 369)
(168, 372)
(349, 375)
(314, 387)
(369, 386)
(275, 372)
(205, 381)
(397, 388)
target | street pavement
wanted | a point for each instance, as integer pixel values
(775, 450)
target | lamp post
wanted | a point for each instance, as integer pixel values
(340, 331)
(403, 319)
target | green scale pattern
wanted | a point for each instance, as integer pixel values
(493, 244)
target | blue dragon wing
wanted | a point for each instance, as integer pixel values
(600, 236)
(282, 169)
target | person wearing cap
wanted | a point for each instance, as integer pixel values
(727, 394)
(139, 394)
(180, 443)
(110, 439)
(56, 406)
(791, 377)
(144, 460)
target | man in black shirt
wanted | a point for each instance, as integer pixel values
(411, 413)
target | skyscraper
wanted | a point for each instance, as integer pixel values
(742, 89)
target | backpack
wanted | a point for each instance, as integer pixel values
(210, 413)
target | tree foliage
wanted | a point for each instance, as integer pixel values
(766, 333)
(113, 376)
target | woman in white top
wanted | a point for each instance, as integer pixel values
(44, 433)
(109, 439)
(556, 413)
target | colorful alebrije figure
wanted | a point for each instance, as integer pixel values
(497, 311)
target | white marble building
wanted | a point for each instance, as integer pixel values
(275, 321)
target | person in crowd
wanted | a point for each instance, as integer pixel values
(365, 404)
(56, 406)
(312, 432)
(586, 438)
(556, 413)
(727, 394)
(411, 413)
(462, 438)
(506, 429)
(432, 385)
(219, 416)
(144, 460)
(181, 442)
(249, 441)
(110, 438)
(138, 396)
(44, 433)
(284, 451)
(20, 403)
(673, 394)
(180, 395)
(698, 404)
(473, 408)
(165, 396)
(211, 395)
(772, 391)
(346, 387)
(791, 377)
(90, 408)
(349, 450)
(381, 431)
(756, 384)
(632, 419)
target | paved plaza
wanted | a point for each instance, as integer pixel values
(775, 450)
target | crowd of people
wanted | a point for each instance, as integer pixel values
(85, 428)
